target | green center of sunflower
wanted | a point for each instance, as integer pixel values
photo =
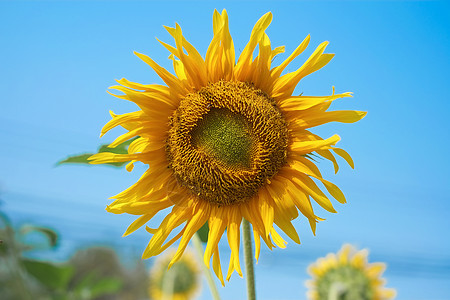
(345, 283)
(225, 141)
(224, 136)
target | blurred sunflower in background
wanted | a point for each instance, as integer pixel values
(347, 276)
(226, 140)
(180, 282)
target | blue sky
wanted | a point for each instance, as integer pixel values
(58, 57)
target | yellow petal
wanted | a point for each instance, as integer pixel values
(276, 72)
(243, 68)
(217, 223)
(220, 56)
(277, 239)
(328, 155)
(359, 260)
(196, 221)
(295, 103)
(344, 254)
(216, 265)
(267, 212)
(305, 147)
(129, 117)
(342, 153)
(375, 270)
(108, 157)
(170, 222)
(284, 214)
(331, 187)
(285, 85)
(233, 234)
(306, 184)
(138, 223)
(172, 81)
(261, 77)
(320, 118)
(257, 240)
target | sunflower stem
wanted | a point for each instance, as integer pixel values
(337, 289)
(209, 278)
(251, 292)
(168, 282)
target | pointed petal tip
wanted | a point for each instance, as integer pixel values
(151, 230)
(363, 114)
(141, 55)
(170, 264)
(120, 81)
(206, 261)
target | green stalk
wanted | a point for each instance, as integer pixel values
(248, 254)
(168, 282)
(209, 278)
(337, 289)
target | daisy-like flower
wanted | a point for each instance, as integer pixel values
(347, 276)
(180, 282)
(226, 140)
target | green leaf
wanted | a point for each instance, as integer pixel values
(76, 159)
(51, 235)
(50, 275)
(83, 158)
(203, 233)
(94, 287)
(106, 286)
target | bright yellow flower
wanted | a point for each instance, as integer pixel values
(180, 282)
(348, 276)
(226, 140)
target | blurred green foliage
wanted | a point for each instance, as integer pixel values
(91, 274)
(83, 158)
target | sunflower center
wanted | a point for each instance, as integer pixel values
(225, 141)
(346, 282)
(224, 136)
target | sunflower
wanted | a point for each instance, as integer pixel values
(181, 282)
(347, 276)
(226, 140)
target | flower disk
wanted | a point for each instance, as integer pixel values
(347, 276)
(224, 139)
